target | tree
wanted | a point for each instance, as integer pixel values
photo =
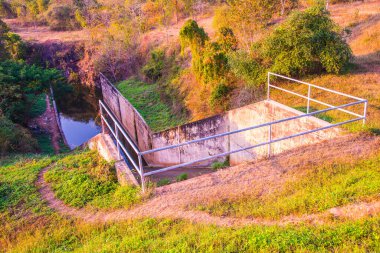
(246, 17)
(307, 42)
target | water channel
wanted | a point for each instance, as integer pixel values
(78, 112)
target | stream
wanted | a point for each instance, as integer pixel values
(78, 111)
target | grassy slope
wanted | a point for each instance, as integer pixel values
(332, 185)
(146, 99)
(26, 224)
(85, 180)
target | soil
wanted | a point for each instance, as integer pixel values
(47, 122)
(173, 201)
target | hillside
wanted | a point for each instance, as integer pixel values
(322, 197)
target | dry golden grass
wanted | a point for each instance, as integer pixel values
(41, 34)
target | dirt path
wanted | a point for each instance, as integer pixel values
(173, 201)
(47, 122)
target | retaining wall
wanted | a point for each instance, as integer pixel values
(250, 115)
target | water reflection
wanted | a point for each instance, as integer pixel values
(78, 111)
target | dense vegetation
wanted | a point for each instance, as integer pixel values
(21, 87)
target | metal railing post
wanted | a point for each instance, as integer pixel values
(268, 86)
(142, 173)
(117, 141)
(101, 117)
(365, 111)
(308, 99)
(269, 140)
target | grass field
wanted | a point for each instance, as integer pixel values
(84, 179)
(28, 225)
(331, 185)
(146, 99)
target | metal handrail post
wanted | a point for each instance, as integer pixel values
(268, 88)
(269, 140)
(117, 141)
(308, 99)
(365, 112)
(142, 173)
(101, 116)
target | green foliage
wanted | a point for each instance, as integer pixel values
(247, 68)
(332, 185)
(307, 42)
(146, 99)
(38, 104)
(45, 145)
(62, 17)
(226, 39)
(153, 69)
(193, 36)
(182, 177)
(209, 59)
(11, 45)
(18, 81)
(220, 165)
(162, 182)
(85, 179)
(219, 94)
(14, 138)
(322, 116)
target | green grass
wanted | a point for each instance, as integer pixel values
(146, 99)
(319, 189)
(28, 225)
(44, 143)
(322, 116)
(85, 180)
(38, 106)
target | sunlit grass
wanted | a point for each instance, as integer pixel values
(146, 99)
(313, 190)
(86, 180)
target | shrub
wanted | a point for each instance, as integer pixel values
(219, 93)
(14, 138)
(153, 69)
(220, 165)
(307, 42)
(17, 81)
(61, 18)
(162, 182)
(182, 177)
(247, 68)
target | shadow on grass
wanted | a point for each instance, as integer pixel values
(322, 116)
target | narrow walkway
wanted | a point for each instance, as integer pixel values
(173, 201)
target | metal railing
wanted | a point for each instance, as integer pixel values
(117, 129)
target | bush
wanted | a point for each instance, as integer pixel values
(61, 18)
(219, 94)
(182, 177)
(14, 138)
(307, 42)
(247, 68)
(162, 182)
(18, 80)
(153, 69)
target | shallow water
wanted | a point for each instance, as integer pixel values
(78, 113)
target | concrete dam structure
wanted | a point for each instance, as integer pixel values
(240, 135)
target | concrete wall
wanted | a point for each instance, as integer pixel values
(107, 149)
(247, 116)
(244, 117)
